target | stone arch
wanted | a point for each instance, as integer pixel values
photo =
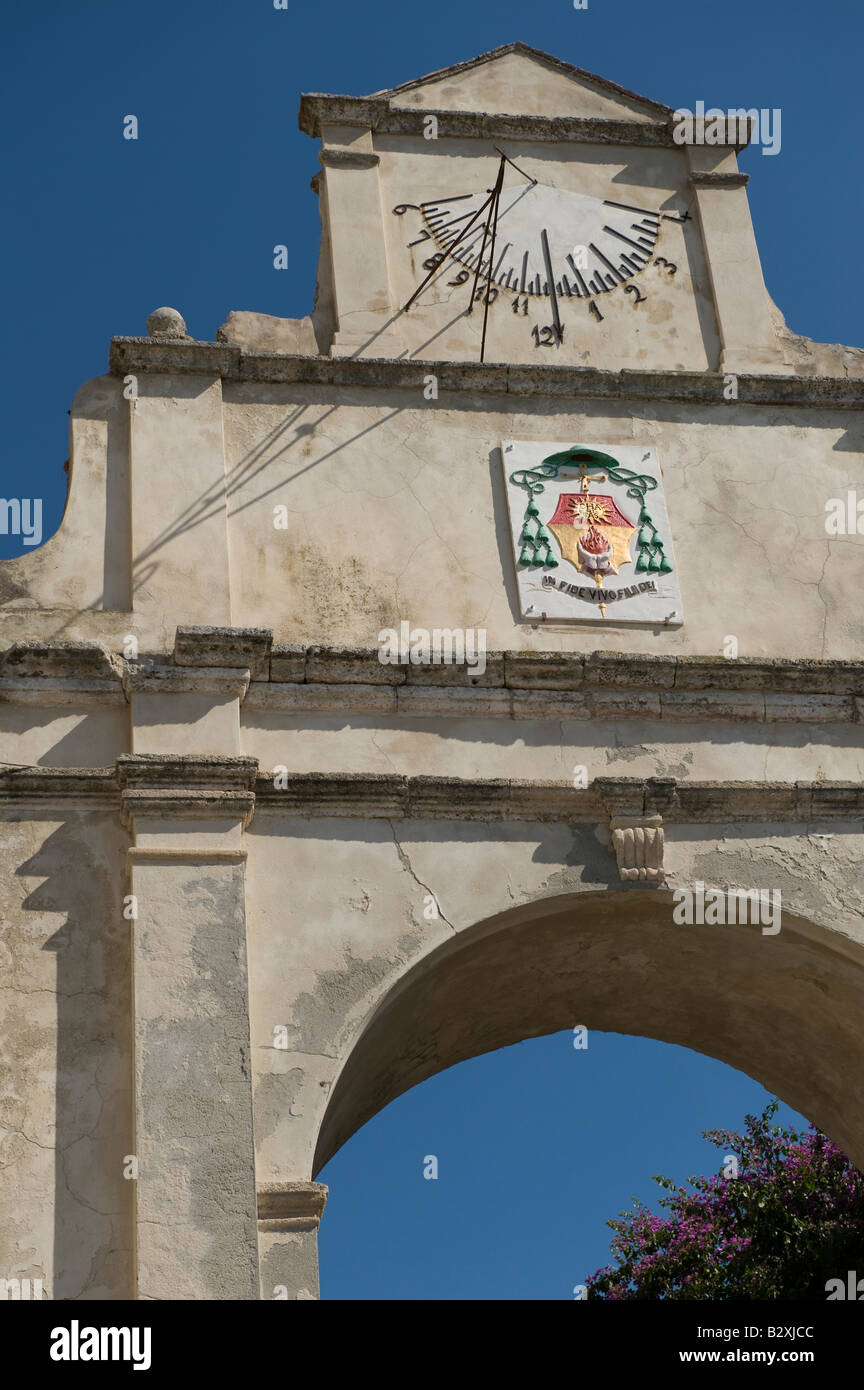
(784, 1009)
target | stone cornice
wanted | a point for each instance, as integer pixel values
(232, 363)
(390, 796)
(53, 786)
(514, 684)
(185, 770)
(60, 660)
(554, 685)
(211, 786)
(53, 692)
(75, 673)
(193, 803)
(158, 678)
(673, 706)
(376, 113)
(574, 671)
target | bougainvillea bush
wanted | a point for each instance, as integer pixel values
(792, 1219)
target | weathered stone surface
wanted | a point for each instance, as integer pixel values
(620, 669)
(288, 663)
(452, 702)
(318, 698)
(66, 1206)
(331, 664)
(446, 673)
(60, 661)
(226, 647)
(477, 125)
(166, 323)
(809, 709)
(543, 671)
(551, 703)
(286, 1202)
(695, 388)
(157, 770)
(263, 333)
(730, 704)
(159, 679)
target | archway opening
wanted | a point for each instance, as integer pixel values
(784, 1009)
(495, 1179)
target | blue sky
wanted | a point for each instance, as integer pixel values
(98, 231)
(537, 1146)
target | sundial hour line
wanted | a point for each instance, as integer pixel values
(556, 317)
(456, 198)
(628, 207)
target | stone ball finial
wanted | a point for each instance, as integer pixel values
(166, 323)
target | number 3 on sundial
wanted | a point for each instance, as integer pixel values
(546, 251)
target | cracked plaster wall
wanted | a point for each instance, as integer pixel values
(396, 510)
(65, 1055)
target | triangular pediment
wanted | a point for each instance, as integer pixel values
(517, 80)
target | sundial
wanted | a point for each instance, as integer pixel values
(543, 253)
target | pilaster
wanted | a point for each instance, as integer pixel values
(181, 563)
(361, 280)
(195, 1188)
(748, 340)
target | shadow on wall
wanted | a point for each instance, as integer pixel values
(80, 865)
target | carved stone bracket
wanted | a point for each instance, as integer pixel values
(704, 178)
(638, 845)
(636, 823)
